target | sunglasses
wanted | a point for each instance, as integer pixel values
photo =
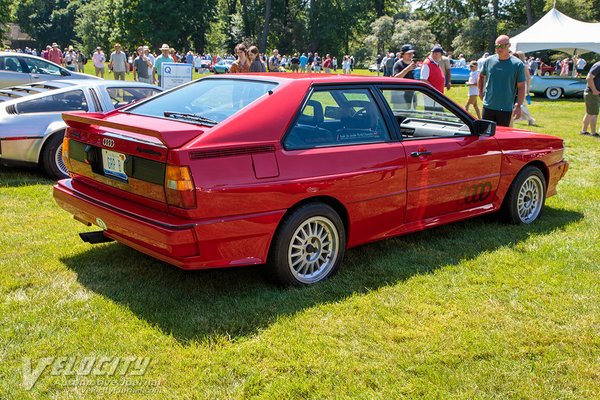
(502, 46)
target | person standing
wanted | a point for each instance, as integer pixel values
(242, 64)
(309, 63)
(327, 64)
(317, 63)
(81, 60)
(151, 58)
(98, 58)
(164, 57)
(461, 62)
(334, 64)
(140, 67)
(118, 63)
(591, 97)
(295, 63)
(256, 65)
(581, 63)
(55, 55)
(482, 60)
(346, 65)
(431, 70)
(525, 114)
(473, 90)
(501, 79)
(445, 66)
(405, 66)
(274, 61)
(303, 62)
(70, 60)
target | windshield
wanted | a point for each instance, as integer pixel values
(210, 99)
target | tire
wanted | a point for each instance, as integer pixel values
(308, 246)
(526, 197)
(51, 157)
(554, 93)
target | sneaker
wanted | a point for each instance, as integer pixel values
(531, 122)
(584, 133)
(595, 134)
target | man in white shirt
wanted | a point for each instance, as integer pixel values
(98, 58)
(150, 57)
(581, 63)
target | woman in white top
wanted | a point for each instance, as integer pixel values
(473, 90)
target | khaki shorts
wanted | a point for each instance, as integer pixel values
(592, 103)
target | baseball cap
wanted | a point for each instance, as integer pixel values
(437, 48)
(407, 48)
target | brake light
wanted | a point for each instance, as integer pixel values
(65, 152)
(179, 187)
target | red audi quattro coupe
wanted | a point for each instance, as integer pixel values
(291, 170)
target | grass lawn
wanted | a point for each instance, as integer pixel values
(476, 309)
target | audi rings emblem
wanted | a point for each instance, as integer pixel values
(106, 142)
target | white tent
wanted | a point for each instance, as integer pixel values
(556, 31)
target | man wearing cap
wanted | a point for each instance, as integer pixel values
(164, 57)
(404, 67)
(118, 63)
(55, 55)
(501, 79)
(431, 70)
(98, 58)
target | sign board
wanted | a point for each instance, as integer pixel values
(175, 74)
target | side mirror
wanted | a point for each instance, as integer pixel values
(483, 127)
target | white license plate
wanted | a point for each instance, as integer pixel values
(114, 164)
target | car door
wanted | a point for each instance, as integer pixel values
(12, 71)
(340, 146)
(449, 169)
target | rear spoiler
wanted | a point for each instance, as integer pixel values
(170, 139)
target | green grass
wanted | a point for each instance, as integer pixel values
(476, 309)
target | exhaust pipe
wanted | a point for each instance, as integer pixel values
(95, 237)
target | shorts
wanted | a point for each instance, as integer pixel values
(145, 80)
(99, 69)
(592, 102)
(502, 118)
(119, 76)
(317, 68)
(580, 70)
(294, 67)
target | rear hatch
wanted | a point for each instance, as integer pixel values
(127, 155)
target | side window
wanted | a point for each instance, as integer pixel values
(420, 116)
(41, 67)
(338, 117)
(68, 101)
(10, 63)
(123, 96)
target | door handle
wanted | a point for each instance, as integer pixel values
(420, 153)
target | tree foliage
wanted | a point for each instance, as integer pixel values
(333, 26)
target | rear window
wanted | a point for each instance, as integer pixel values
(68, 101)
(214, 99)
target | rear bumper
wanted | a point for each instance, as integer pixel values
(187, 244)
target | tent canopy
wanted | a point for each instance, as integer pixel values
(556, 31)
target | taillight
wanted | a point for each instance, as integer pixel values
(179, 187)
(65, 152)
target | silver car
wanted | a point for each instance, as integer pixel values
(31, 125)
(21, 68)
(553, 87)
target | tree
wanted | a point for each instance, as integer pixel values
(4, 17)
(418, 33)
(382, 30)
(47, 21)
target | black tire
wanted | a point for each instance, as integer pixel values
(298, 259)
(51, 157)
(525, 199)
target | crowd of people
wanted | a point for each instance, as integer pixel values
(501, 80)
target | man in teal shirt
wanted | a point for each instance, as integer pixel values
(164, 57)
(501, 79)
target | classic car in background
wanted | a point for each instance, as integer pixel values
(222, 67)
(458, 75)
(291, 170)
(553, 87)
(21, 68)
(31, 125)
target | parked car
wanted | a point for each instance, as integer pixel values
(31, 125)
(291, 170)
(547, 70)
(553, 87)
(21, 68)
(222, 67)
(458, 75)
(373, 68)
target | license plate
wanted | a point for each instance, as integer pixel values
(114, 164)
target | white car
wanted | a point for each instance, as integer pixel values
(31, 125)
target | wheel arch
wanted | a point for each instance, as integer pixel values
(47, 137)
(332, 202)
(535, 163)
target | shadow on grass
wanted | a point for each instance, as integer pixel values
(197, 305)
(544, 99)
